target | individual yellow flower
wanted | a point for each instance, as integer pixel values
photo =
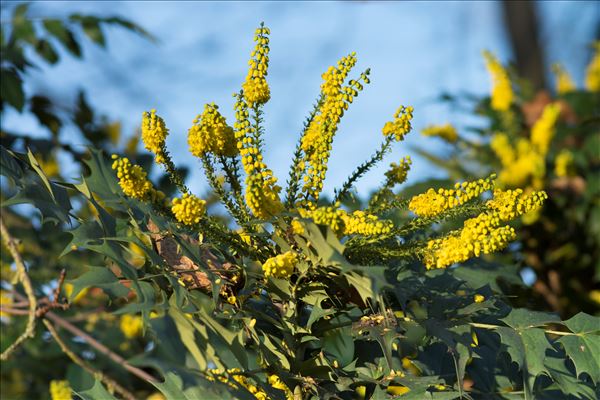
(397, 173)
(564, 82)
(563, 164)
(132, 178)
(262, 191)
(131, 326)
(401, 124)
(432, 203)
(188, 209)
(446, 132)
(595, 296)
(592, 73)
(154, 135)
(280, 266)
(156, 396)
(210, 133)
(256, 89)
(543, 130)
(478, 298)
(502, 93)
(60, 390)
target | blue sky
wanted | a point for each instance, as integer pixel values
(415, 50)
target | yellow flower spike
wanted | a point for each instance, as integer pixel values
(188, 209)
(592, 72)
(563, 164)
(277, 383)
(297, 227)
(361, 223)
(432, 203)
(478, 298)
(131, 326)
(60, 390)
(501, 146)
(154, 135)
(280, 266)
(256, 89)
(446, 132)
(132, 178)
(398, 172)
(210, 133)
(502, 93)
(564, 82)
(401, 124)
(543, 130)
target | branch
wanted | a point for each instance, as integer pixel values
(24, 279)
(111, 383)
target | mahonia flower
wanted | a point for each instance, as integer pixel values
(509, 204)
(446, 132)
(210, 133)
(563, 164)
(256, 89)
(401, 124)
(543, 130)
(520, 163)
(331, 216)
(277, 383)
(189, 209)
(361, 223)
(592, 73)
(131, 326)
(280, 266)
(262, 191)
(564, 82)
(432, 203)
(318, 136)
(60, 390)
(501, 146)
(6, 300)
(398, 172)
(502, 93)
(132, 178)
(236, 375)
(154, 134)
(297, 227)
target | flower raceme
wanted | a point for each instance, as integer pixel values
(502, 93)
(280, 266)
(188, 209)
(210, 133)
(401, 124)
(60, 390)
(256, 90)
(397, 173)
(564, 82)
(543, 130)
(446, 132)
(592, 73)
(132, 178)
(154, 134)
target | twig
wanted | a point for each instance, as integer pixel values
(111, 383)
(24, 279)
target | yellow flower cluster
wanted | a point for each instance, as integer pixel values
(484, 233)
(331, 216)
(398, 172)
(564, 82)
(316, 141)
(189, 209)
(277, 383)
(446, 132)
(401, 124)
(502, 93)
(361, 223)
(592, 73)
(132, 178)
(6, 300)
(563, 164)
(297, 227)
(60, 390)
(280, 266)
(543, 130)
(210, 133)
(518, 164)
(256, 89)
(131, 326)
(154, 134)
(236, 375)
(262, 191)
(432, 203)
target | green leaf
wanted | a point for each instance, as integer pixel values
(187, 334)
(96, 392)
(520, 318)
(11, 88)
(86, 386)
(584, 347)
(46, 51)
(91, 27)
(100, 277)
(22, 26)
(338, 343)
(56, 28)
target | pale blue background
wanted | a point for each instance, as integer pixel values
(416, 50)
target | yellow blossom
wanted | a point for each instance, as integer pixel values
(131, 326)
(60, 390)
(397, 390)
(501, 146)
(154, 134)
(280, 266)
(563, 164)
(156, 396)
(132, 178)
(592, 73)
(189, 209)
(331, 216)
(256, 89)
(446, 132)
(361, 223)
(277, 383)
(397, 173)
(6, 300)
(210, 133)
(432, 203)
(564, 82)
(297, 227)
(69, 290)
(502, 93)
(401, 124)
(478, 298)
(543, 130)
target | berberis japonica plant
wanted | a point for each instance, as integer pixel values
(300, 297)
